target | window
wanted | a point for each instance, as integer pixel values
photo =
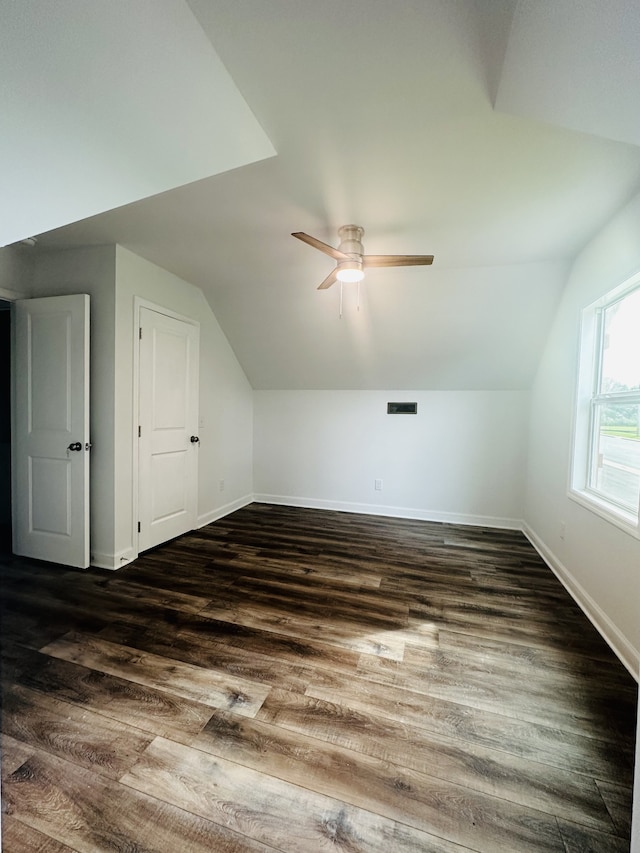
(606, 463)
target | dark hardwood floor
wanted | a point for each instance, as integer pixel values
(298, 680)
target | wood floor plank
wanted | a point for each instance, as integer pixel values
(197, 583)
(333, 598)
(382, 641)
(578, 840)
(82, 736)
(95, 815)
(491, 771)
(151, 594)
(90, 593)
(239, 663)
(32, 622)
(216, 689)
(422, 800)
(541, 666)
(572, 666)
(619, 801)
(563, 749)
(261, 806)
(511, 628)
(309, 571)
(14, 753)
(146, 708)
(460, 679)
(310, 650)
(17, 836)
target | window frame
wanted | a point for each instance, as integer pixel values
(589, 399)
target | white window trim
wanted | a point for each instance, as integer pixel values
(587, 379)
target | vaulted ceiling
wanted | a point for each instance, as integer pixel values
(497, 136)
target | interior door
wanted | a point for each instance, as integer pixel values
(168, 427)
(51, 440)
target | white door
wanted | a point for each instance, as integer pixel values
(168, 428)
(51, 441)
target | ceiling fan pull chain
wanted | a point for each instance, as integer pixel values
(341, 285)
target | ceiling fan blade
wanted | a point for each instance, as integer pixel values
(323, 247)
(329, 280)
(396, 260)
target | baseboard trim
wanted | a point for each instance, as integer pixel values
(221, 511)
(619, 644)
(112, 561)
(392, 511)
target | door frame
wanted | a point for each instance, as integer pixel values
(138, 303)
(12, 296)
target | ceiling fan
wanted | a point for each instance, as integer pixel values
(351, 258)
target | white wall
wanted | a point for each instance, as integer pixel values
(599, 561)
(226, 404)
(15, 271)
(460, 459)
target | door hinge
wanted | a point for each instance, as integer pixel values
(139, 528)
(140, 333)
(139, 431)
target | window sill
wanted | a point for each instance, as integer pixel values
(624, 520)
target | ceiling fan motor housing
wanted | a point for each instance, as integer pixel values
(351, 240)
(350, 244)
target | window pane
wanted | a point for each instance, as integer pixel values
(621, 345)
(615, 468)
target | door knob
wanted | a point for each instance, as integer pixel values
(75, 445)
(194, 439)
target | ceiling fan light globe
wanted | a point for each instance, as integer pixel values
(350, 271)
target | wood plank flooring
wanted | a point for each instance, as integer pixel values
(297, 680)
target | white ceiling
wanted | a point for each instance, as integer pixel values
(381, 113)
(594, 45)
(98, 110)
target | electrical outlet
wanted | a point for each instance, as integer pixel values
(378, 485)
(221, 485)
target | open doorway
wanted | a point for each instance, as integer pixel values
(5, 427)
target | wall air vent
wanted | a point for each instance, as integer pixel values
(402, 408)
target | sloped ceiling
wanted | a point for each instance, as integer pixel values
(381, 114)
(99, 109)
(575, 63)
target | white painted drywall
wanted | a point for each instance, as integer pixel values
(599, 559)
(575, 63)
(92, 271)
(15, 272)
(461, 458)
(226, 404)
(102, 104)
